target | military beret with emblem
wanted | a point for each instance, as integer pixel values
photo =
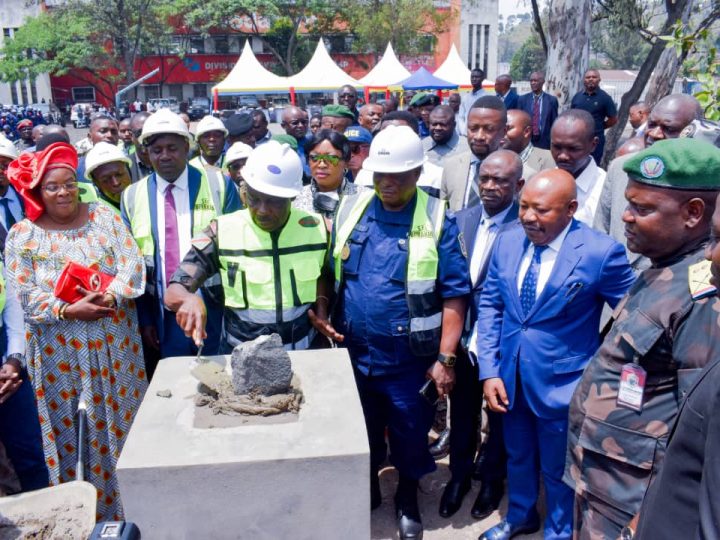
(284, 138)
(423, 98)
(687, 164)
(703, 130)
(338, 111)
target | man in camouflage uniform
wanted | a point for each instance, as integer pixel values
(666, 327)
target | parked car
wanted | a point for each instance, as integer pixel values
(166, 103)
(50, 112)
(248, 102)
(199, 107)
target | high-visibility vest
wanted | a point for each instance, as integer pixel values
(3, 289)
(208, 205)
(424, 301)
(270, 279)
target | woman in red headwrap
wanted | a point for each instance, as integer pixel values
(87, 350)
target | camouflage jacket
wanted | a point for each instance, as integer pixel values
(614, 452)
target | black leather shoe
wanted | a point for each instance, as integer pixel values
(441, 447)
(479, 464)
(506, 531)
(488, 499)
(452, 497)
(406, 507)
(375, 495)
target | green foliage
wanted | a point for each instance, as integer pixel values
(512, 36)
(617, 47)
(408, 24)
(530, 57)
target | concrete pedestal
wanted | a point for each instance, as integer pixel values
(307, 479)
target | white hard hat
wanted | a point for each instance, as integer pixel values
(395, 149)
(237, 151)
(7, 148)
(102, 153)
(274, 169)
(210, 123)
(164, 121)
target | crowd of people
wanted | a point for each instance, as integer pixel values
(472, 251)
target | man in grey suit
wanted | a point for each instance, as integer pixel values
(518, 139)
(486, 127)
(666, 121)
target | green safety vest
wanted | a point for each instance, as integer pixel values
(3, 289)
(270, 279)
(424, 302)
(208, 205)
(87, 192)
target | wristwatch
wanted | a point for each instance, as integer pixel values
(627, 533)
(447, 360)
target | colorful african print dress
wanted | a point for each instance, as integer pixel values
(101, 360)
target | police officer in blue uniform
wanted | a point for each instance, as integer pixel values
(401, 284)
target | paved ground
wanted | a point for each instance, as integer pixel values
(461, 526)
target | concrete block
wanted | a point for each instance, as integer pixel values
(306, 479)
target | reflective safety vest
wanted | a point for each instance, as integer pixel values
(208, 205)
(270, 279)
(87, 192)
(3, 289)
(424, 302)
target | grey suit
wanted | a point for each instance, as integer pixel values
(540, 159)
(608, 217)
(454, 180)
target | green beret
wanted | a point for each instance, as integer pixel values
(423, 98)
(284, 138)
(339, 111)
(687, 164)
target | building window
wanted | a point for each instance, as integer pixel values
(14, 94)
(83, 94)
(24, 93)
(200, 90)
(486, 48)
(222, 45)
(33, 91)
(196, 45)
(478, 46)
(175, 90)
(152, 91)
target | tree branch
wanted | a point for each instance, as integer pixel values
(538, 26)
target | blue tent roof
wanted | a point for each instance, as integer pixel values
(422, 79)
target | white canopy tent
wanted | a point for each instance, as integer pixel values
(248, 76)
(453, 69)
(386, 72)
(320, 74)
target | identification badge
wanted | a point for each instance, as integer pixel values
(632, 387)
(345, 253)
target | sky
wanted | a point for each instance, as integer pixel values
(511, 7)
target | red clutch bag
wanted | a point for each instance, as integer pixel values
(75, 274)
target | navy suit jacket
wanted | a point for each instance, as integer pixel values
(150, 304)
(548, 114)
(468, 221)
(3, 231)
(511, 99)
(548, 349)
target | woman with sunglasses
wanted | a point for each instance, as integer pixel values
(328, 153)
(87, 350)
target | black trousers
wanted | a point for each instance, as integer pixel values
(465, 405)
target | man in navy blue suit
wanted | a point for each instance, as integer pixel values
(538, 322)
(542, 108)
(504, 90)
(500, 180)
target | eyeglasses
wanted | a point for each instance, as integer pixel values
(356, 148)
(70, 187)
(327, 158)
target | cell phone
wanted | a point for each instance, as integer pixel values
(429, 392)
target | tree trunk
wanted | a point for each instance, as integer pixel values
(681, 9)
(568, 35)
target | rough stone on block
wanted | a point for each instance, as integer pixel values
(261, 366)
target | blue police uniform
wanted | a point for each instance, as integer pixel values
(373, 315)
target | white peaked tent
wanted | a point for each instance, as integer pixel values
(386, 72)
(249, 76)
(321, 73)
(453, 69)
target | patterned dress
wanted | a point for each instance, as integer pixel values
(101, 360)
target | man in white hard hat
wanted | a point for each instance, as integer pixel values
(164, 211)
(235, 159)
(210, 135)
(108, 168)
(401, 281)
(268, 256)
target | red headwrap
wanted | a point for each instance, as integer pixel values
(26, 172)
(24, 123)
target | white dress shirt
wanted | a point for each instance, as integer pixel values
(484, 238)
(589, 187)
(181, 193)
(13, 318)
(465, 105)
(547, 261)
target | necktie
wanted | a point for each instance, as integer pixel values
(172, 239)
(9, 218)
(528, 289)
(473, 197)
(536, 116)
